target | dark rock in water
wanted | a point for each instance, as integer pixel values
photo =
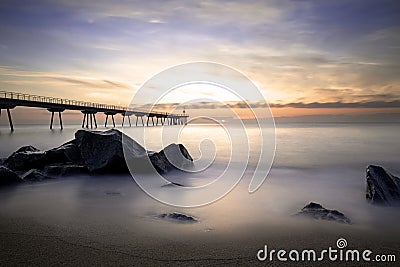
(383, 188)
(29, 157)
(97, 152)
(180, 217)
(176, 156)
(8, 177)
(26, 158)
(63, 169)
(159, 162)
(316, 211)
(68, 152)
(103, 151)
(27, 149)
(34, 175)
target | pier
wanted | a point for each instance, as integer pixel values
(56, 106)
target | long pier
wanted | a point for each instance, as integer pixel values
(10, 100)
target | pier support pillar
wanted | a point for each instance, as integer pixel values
(10, 120)
(112, 118)
(89, 115)
(94, 118)
(53, 110)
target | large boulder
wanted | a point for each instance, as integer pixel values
(98, 152)
(103, 151)
(8, 177)
(316, 211)
(176, 156)
(383, 188)
(68, 152)
(26, 158)
(29, 157)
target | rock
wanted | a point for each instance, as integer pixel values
(63, 169)
(159, 162)
(34, 175)
(176, 156)
(98, 152)
(316, 211)
(29, 157)
(27, 149)
(103, 151)
(8, 177)
(180, 217)
(383, 188)
(26, 158)
(68, 152)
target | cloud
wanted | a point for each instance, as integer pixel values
(87, 82)
(300, 105)
(338, 104)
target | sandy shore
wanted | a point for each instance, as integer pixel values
(24, 243)
(110, 222)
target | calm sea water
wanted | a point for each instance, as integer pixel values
(323, 163)
(302, 146)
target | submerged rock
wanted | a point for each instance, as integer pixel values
(7, 176)
(383, 188)
(316, 211)
(180, 217)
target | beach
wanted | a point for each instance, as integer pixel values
(108, 220)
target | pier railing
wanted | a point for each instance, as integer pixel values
(76, 103)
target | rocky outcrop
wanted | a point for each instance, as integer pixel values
(26, 158)
(383, 188)
(29, 157)
(68, 152)
(8, 177)
(103, 152)
(176, 156)
(178, 217)
(316, 211)
(93, 152)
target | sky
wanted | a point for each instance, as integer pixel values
(307, 57)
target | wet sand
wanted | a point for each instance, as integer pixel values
(111, 222)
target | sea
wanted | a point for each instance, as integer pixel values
(313, 162)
